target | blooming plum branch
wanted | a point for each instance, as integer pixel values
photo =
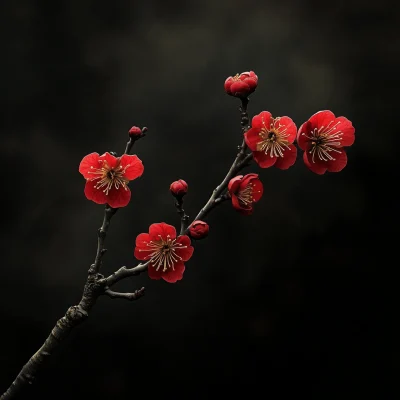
(269, 141)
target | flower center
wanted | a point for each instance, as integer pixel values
(273, 139)
(108, 177)
(324, 141)
(163, 252)
(245, 196)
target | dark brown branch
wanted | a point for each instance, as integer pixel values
(182, 214)
(101, 236)
(240, 162)
(74, 316)
(123, 273)
(244, 121)
(222, 198)
(95, 286)
(137, 294)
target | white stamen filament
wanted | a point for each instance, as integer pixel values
(274, 139)
(245, 196)
(107, 177)
(324, 140)
(163, 253)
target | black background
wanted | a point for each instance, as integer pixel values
(296, 300)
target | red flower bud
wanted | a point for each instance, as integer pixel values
(199, 230)
(241, 85)
(179, 188)
(135, 131)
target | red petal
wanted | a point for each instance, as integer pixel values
(187, 252)
(89, 162)
(153, 274)
(240, 88)
(264, 160)
(120, 197)
(262, 120)
(290, 127)
(258, 189)
(247, 179)
(141, 244)
(142, 239)
(253, 75)
(318, 167)
(234, 184)
(348, 131)
(339, 163)
(235, 203)
(239, 207)
(244, 75)
(302, 139)
(227, 85)
(109, 159)
(176, 274)
(252, 84)
(321, 118)
(252, 137)
(140, 254)
(135, 168)
(288, 159)
(161, 229)
(96, 195)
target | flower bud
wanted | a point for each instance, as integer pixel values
(241, 85)
(179, 188)
(135, 131)
(199, 230)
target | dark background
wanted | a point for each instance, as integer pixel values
(296, 300)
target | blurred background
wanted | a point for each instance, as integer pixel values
(296, 300)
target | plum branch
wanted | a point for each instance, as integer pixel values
(241, 161)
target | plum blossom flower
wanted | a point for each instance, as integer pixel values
(245, 191)
(271, 140)
(323, 138)
(107, 177)
(165, 251)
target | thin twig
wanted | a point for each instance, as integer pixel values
(101, 237)
(182, 214)
(123, 273)
(137, 294)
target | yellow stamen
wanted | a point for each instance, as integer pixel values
(108, 177)
(163, 253)
(273, 139)
(324, 141)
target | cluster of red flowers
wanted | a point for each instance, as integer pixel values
(322, 137)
